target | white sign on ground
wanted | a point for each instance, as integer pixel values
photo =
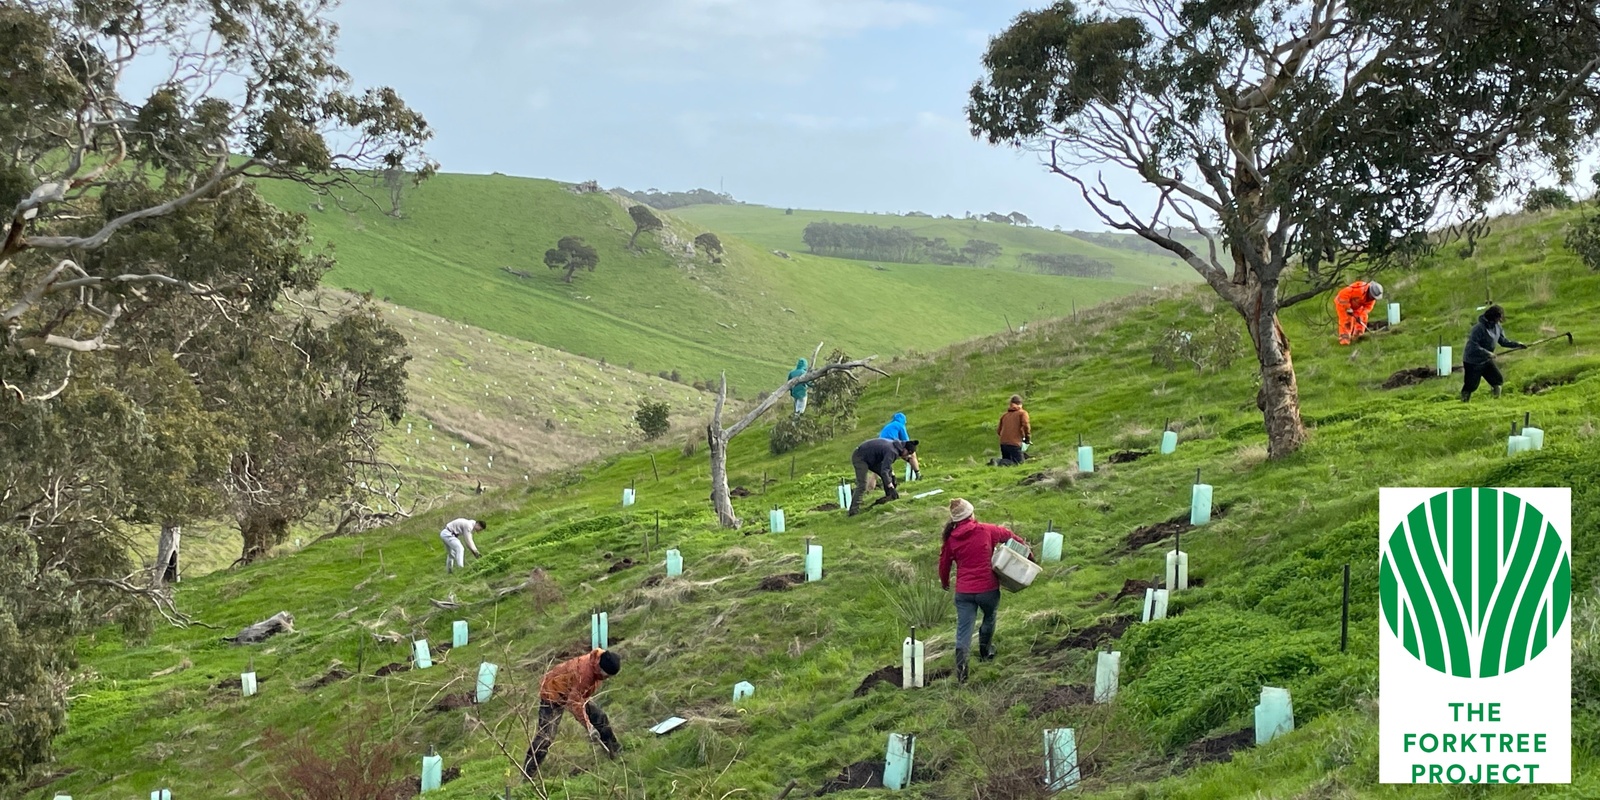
(1475, 645)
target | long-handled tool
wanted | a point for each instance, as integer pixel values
(1567, 336)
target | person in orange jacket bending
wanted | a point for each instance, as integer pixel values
(1353, 304)
(568, 687)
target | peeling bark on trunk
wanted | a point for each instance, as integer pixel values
(261, 534)
(166, 566)
(1279, 396)
(721, 499)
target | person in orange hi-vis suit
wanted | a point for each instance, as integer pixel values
(568, 687)
(1353, 304)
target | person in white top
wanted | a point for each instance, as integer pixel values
(453, 535)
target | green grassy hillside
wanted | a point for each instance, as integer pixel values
(773, 228)
(1266, 610)
(661, 309)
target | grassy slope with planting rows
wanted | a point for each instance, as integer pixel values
(1267, 613)
(772, 228)
(660, 309)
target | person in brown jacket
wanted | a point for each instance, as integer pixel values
(568, 687)
(1014, 431)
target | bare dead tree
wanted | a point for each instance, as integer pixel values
(717, 437)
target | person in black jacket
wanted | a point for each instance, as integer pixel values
(1477, 359)
(877, 457)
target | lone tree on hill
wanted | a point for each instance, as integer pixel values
(572, 253)
(717, 437)
(643, 220)
(1303, 141)
(711, 244)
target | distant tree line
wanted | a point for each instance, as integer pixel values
(896, 244)
(1071, 264)
(665, 201)
(1137, 244)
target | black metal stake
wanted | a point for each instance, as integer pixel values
(791, 468)
(1197, 476)
(1344, 614)
(658, 528)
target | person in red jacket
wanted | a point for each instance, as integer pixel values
(568, 686)
(1353, 304)
(969, 545)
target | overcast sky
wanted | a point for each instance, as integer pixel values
(853, 105)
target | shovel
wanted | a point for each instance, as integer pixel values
(1567, 336)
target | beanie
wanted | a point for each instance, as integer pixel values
(960, 510)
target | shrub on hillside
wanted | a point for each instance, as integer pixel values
(359, 768)
(1583, 239)
(1212, 347)
(652, 418)
(1546, 197)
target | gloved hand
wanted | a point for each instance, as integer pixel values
(594, 733)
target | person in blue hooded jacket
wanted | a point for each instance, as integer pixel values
(799, 390)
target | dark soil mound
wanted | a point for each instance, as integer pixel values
(1090, 638)
(334, 676)
(739, 491)
(390, 669)
(619, 566)
(827, 507)
(1373, 326)
(653, 580)
(451, 702)
(1128, 456)
(1219, 748)
(1150, 534)
(237, 682)
(1058, 698)
(1409, 377)
(1133, 588)
(581, 647)
(860, 775)
(889, 675)
(1032, 479)
(1542, 385)
(413, 786)
(781, 583)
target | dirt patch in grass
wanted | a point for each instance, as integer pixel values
(1128, 456)
(827, 507)
(1133, 588)
(413, 786)
(653, 580)
(581, 647)
(1090, 638)
(452, 702)
(739, 491)
(236, 682)
(860, 775)
(625, 563)
(892, 676)
(390, 669)
(1413, 376)
(1037, 477)
(1542, 385)
(334, 676)
(781, 583)
(1058, 698)
(1220, 748)
(1150, 534)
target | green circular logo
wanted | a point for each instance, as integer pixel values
(1474, 583)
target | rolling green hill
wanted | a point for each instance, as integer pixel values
(774, 228)
(1265, 609)
(661, 309)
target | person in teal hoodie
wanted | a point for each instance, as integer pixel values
(799, 390)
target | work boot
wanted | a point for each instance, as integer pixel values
(985, 648)
(1466, 397)
(1495, 390)
(961, 667)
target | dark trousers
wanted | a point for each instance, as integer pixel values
(1475, 373)
(885, 473)
(1010, 454)
(550, 720)
(967, 608)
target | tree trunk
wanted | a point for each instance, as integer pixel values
(570, 269)
(1279, 397)
(634, 237)
(166, 566)
(721, 500)
(261, 534)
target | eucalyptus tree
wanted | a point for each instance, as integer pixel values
(1303, 141)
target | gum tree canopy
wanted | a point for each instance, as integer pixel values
(1303, 142)
(153, 369)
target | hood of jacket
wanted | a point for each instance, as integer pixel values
(964, 529)
(899, 417)
(1483, 319)
(1014, 407)
(800, 365)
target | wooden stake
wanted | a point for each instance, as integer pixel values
(791, 468)
(1344, 614)
(653, 467)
